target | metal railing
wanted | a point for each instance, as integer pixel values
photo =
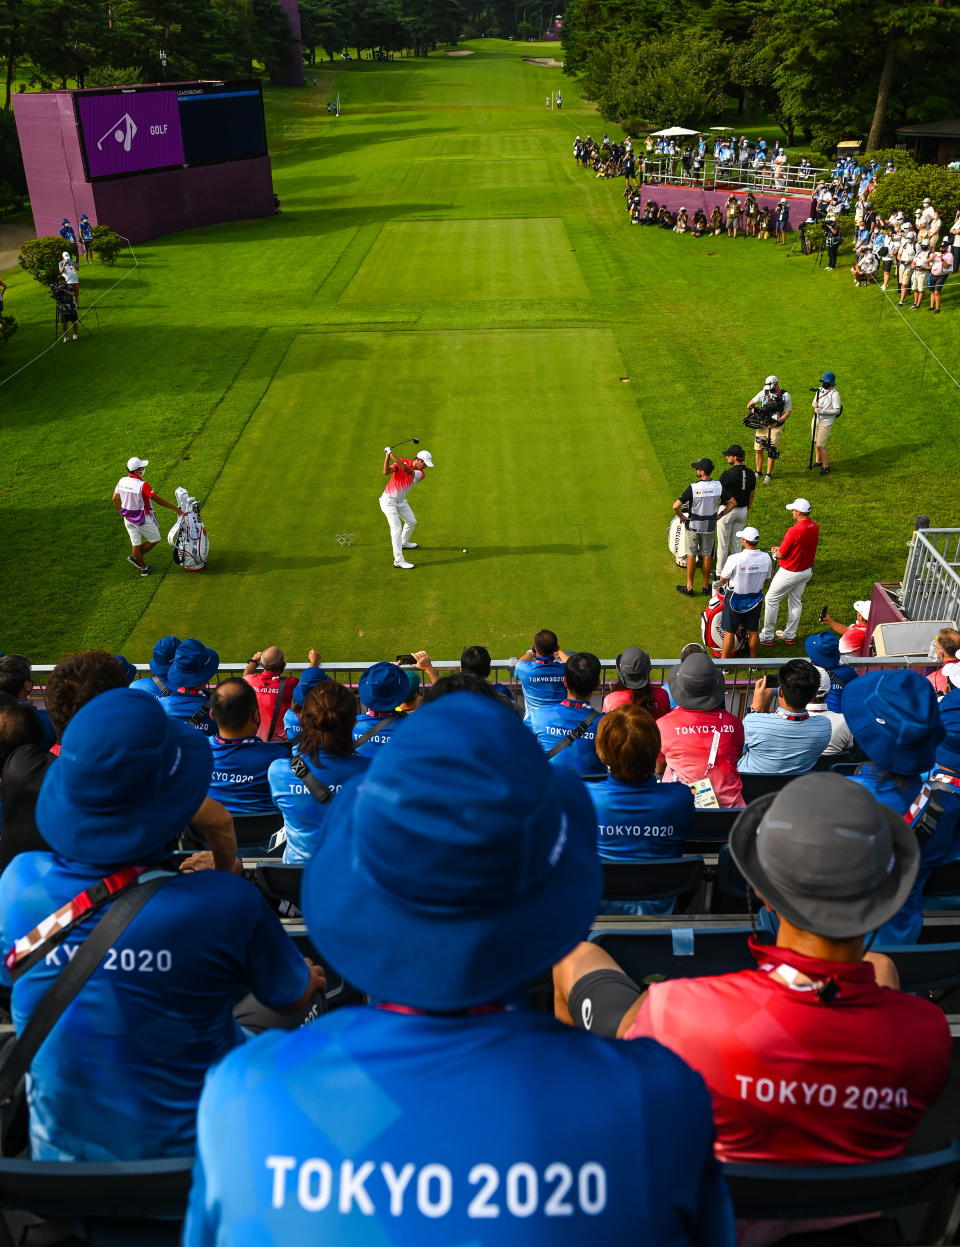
(931, 585)
(764, 180)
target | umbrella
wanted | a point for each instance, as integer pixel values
(673, 132)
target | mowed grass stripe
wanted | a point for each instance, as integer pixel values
(556, 498)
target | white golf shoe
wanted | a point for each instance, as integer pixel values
(403, 564)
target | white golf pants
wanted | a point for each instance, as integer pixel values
(402, 522)
(726, 527)
(789, 585)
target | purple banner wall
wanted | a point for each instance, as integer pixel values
(129, 133)
(292, 73)
(692, 198)
(140, 207)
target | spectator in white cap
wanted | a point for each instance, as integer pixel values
(134, 500)
(742, 578)
(68, 271)
(778, 402)
(852, 636)
(841, 738)
(404, 474)
(795, 554)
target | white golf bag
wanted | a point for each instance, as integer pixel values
(191, 546)
(675, 541)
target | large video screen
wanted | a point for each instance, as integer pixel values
(143, 128)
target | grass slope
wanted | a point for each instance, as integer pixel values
(441, 267)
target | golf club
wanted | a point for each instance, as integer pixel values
(415, 440)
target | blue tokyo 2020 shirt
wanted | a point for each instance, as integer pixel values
(554, 723)
(148, 685)
(637, 822)
(239, 778)
(382, 735)
(370, 1128)
(303, 815)
(184, 706)
(542, 682)
(840, 677)
(291, 723)
(120, 1074)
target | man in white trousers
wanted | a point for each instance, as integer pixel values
(404, 474)
(795, 554)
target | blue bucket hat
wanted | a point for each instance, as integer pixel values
(823, 649)
(829, 378)
(384, 686)
(893, 717)
(310, 677)
(126, 783)
(163, 654)
(465, 864)
(948, 752)
(193, 665)
(129, 669)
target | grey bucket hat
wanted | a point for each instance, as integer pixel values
(826, 855)
(633, 666)
(697, 684)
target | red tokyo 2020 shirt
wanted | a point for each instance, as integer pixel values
(799, 1076)
(686, 742)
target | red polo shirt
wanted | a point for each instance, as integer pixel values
(799, 545)
(798, 1078)
(268, 688)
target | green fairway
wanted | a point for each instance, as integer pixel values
(442, 269)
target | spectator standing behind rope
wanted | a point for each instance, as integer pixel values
(826, 410)
(795, 554)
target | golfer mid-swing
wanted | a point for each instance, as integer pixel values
(404, 474)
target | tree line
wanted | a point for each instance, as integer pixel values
(823, 69)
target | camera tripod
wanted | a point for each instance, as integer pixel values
(61, 326)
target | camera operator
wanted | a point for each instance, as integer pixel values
(826, 408)
(773, 406)
(66, 308)
(696, 508)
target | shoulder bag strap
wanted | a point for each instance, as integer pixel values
(319, 792)
(362, 740)
(161, 687)
(198, 716)
(276, 710)
(18, 1056)
(575, 733)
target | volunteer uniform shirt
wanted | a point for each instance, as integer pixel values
(686, 739)
(268, 688)
(149, 685)
(702, 501)
(119, 1076)
(555, 723)
(403, 478)
(798, 1079)
(840, 677)
(624, 697)
(382, 735)
(542, 682)
(351, 1132)
(637, 821)
(782, 743)
(304, 816)
(291, 723)
(798, 548)
(183, 705)
(239, 780)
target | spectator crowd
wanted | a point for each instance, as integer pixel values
(451, 832)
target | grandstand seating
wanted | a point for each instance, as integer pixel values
(668, 878)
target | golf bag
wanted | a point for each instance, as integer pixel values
(710, 631)
(191, 546)
(675, 542)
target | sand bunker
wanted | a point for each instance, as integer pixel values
(461, 52)
(544, 60)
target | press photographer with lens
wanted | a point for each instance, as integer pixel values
(66, 308)
(767, 413)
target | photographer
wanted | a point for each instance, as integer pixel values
(696, 508)
(831, 240)
(826, 408)
(66, 308)
(770, 409)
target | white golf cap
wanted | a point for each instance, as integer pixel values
(862, 607)
(748, 534)
(824, 675)
(135, 464)
(426, 456)
(926, 201)
(799, 504)
(772, 381)
(66, 255)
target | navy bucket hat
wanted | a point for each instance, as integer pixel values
(193, 665)
(310, 677)
(163, 655)
(384, 686)
(129, 670)
(465, 864)
(126, 782)
(894, 719)
(823, 649)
